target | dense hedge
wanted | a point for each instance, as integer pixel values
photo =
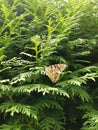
(38, 33)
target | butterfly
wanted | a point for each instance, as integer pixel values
(54, 71)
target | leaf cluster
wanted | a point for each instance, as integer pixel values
(34, 34)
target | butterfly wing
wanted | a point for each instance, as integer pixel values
(54, 71)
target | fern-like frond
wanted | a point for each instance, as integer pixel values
(75, 89)
(83, 79)
(23, 77)
(27, 76)
(44, 89)
(88, 69)
(16, 62)
(27, 89)
(11, 126)
(46, 103)
(51, 123)
(5, 88)
(13, 108)
(91, 116)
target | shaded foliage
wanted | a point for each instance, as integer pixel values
(34, 34)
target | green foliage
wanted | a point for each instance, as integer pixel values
(92, 116)
(34, 34)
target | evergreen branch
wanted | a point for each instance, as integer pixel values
(91, 116)
(51, 123)
(5, 88)
(46, 103)
(75, 89)
(45, 89)
(27, 89)
(11, 126)
(12, 108)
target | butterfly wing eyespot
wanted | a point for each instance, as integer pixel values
(54, 71)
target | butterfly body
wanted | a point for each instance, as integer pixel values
(54, 71)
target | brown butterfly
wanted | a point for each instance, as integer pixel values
(54, 71)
